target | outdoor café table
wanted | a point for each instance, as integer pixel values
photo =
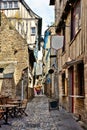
(18, 103)
(6, 107)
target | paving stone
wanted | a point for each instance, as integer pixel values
(40, 118)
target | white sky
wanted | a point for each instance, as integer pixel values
(44, 10)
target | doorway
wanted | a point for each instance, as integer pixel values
(71, 89)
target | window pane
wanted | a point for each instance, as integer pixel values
(10, 4)
(33, 30)
(15, 4)
(5, 5)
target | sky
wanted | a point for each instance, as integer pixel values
(44, 10)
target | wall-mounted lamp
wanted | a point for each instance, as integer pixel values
(52, 69)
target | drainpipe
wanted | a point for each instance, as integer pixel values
(22, 90)
(22, 86)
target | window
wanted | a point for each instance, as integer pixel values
(22, 29)
(75, 19)
(10, 4)
(0, 5)
(33, 30)
(63, 83)
(15, 4)
(63, 49)
(26, 27)
(1, 70)
(5, 5)
(80, 74)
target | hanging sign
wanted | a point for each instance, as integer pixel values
(57, 41)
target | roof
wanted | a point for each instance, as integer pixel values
(29, 9)
(33, 14)
(72, 62)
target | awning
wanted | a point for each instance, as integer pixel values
(71, 63)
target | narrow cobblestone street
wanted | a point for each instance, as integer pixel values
(40, 118)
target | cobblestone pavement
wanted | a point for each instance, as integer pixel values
(40, 118)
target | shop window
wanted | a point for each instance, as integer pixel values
(75, 19)
(80, 75)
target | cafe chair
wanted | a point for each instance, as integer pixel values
(2, 113)
(21, 109)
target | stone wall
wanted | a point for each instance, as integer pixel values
(13, 50)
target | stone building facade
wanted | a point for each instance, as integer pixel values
(71, 22)
(29, 25)
(13, 60)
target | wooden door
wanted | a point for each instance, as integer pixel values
(71, 89)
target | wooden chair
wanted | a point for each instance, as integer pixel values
(21, 109)
(2, 113)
